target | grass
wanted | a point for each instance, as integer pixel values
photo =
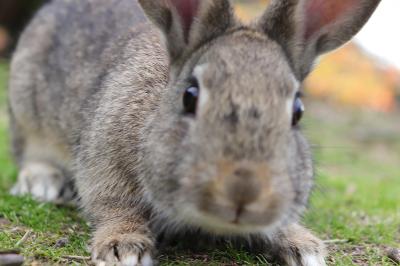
(359, 178)
(356, 200)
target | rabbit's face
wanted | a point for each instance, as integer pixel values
(225, 154)
(222, 152)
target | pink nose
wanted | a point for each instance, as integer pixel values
(243, 187)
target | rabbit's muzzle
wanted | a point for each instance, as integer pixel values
(244, 194)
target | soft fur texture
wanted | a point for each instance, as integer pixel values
(96, 98)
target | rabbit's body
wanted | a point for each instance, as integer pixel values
(192, 130)
(54, 79)
(58, 82)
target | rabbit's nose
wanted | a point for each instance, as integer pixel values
(243, 187)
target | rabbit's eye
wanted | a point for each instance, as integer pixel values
(298, 110)
(190, 98)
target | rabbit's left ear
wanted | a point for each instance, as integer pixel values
(187, 24)
(308, 28)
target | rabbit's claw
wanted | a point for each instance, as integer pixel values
(299, 247)
(307, 260)
(132, 249)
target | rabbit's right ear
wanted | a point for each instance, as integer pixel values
(308, 28)
(187, 24)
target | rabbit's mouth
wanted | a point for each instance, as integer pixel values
(228, 221)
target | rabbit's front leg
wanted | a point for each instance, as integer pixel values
(297, 246)
(125, 241)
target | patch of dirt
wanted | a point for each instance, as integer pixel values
(361, 254)
(394, 254)
(4, 223)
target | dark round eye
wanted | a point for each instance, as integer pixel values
(298, 110)
(190, 98)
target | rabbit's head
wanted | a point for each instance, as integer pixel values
(223, 151)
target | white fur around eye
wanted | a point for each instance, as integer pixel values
(290, 101)
(289, 107)
(296, 84)
(204, 92)
(204, 96)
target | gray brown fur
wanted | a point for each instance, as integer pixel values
(95, 96)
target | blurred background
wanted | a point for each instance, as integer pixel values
(364, 74)
(352, 120)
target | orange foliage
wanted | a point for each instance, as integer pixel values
(248, 10)
(349, 76)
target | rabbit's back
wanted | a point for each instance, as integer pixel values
(62, 60)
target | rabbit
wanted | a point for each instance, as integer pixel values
(173, 116)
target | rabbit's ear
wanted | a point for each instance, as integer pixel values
(308, 28)
(187, 24)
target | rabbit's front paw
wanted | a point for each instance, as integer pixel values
(131, 249)
(305, 260)
(299, 247)
(43, 182)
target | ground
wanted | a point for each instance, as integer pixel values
(355, 206)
